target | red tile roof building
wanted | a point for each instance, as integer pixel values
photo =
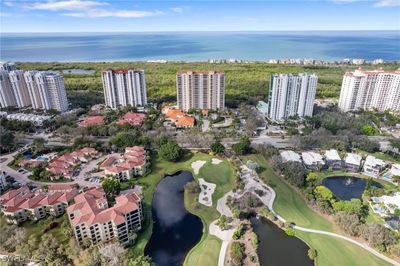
(185, 122)
(20, 205)
(133, 163)
(134, 119)
(92, 121)
(178, 117)
(63, 166)
(91, 217)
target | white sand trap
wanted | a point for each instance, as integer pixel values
(196, 166)
(207, 189)
(216, 161)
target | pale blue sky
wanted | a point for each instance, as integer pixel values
(135, 16)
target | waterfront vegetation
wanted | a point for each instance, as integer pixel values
(160, 78)
(292, 206)
(206, 252)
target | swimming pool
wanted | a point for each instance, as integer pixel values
(41, 158)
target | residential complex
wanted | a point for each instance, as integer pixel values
(134, 119)
(21, 204)
(124, 87)
(89, 121)
(91, 218)
(370, 89)
(39, 90)
(7, 66)
(200, 90)
(179, 117)
(132, 163)
(333, 159)
(373, 166)
(291, 95)
(64, 166)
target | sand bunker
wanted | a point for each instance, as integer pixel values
(197, 165)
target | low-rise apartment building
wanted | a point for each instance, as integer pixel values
(91, 217)
(333, 159)
(373, 166)
(290, 156)
(64, 165)
(133, 163)
(353, 162)
(134, 119)
(312, 160)
(20, 205)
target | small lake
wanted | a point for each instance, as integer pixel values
(347, 187)
(175, 230)
(275, 248)
(77, 71)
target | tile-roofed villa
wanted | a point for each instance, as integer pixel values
(134, 119)
(92, 218)
(20, 205)
(92, 121)
(132, 163)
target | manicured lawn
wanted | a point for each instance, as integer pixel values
(206, 252)
(290, 205)
(160, 168)
(333, 251)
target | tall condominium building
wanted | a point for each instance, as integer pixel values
(370, 89)
(7, 66)
(41, 90)
(91, 218)
(200, 90)
(20, 88)
(124, 87)
(7, 97)
(291, 95)
(36, 96)
(52, 87)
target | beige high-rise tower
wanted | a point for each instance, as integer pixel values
(200, 90)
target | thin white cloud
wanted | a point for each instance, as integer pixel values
(387, 3)
(101, 13)
(178, 9)
(70, 5)
(2, 14)
(376, 3)
(9, 4)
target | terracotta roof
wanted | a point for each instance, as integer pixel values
(90, 208)
(135, 119)
(108, 162)
(204, 112)
(92, 121)
(12, 193)
(185, 121)
(174, 114)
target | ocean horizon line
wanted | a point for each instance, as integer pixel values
(203, 31)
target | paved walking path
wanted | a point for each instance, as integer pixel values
(252, 182)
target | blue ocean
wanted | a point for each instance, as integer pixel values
(199, 46)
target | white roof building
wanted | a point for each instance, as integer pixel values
(353, 158)
(35, 119)
(312, 158)
(374, 162)
(391, 202)
(332, 155)
(290, 156)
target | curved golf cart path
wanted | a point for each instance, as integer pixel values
(315, 231)
(268, 200)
